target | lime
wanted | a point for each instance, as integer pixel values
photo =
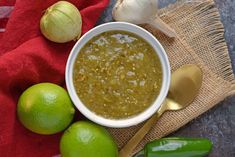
(86, 139)
(45, 108)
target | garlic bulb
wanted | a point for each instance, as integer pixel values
(141, 12)
(61, 22)
(135, 11)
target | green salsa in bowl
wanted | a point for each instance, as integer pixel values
(118, 74)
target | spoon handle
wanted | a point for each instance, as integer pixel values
(135, 140)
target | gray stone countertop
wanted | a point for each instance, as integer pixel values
(218, 124)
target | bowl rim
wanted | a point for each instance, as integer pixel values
(147, 36)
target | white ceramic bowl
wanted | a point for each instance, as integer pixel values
(119, 123)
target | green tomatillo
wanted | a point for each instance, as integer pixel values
(61, 22)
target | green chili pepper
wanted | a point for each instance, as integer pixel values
(177, 147)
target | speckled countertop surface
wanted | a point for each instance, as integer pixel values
(218, 124)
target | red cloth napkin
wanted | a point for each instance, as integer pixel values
(27, 58)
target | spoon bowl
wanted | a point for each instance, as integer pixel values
(185, 84)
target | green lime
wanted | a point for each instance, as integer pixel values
(45, 108)
(86, 139)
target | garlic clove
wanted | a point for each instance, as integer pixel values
(163, 27)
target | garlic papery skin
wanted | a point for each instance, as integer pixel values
(61, 22)
(141, 12)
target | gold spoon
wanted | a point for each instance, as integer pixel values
(185, 85)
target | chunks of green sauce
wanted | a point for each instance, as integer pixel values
(117, 75)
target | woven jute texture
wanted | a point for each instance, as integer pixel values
(201, 41)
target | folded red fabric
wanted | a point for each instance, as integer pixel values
(27, 58)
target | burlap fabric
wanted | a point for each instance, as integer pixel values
(201, 42)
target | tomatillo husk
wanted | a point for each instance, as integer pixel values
(61, 22)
